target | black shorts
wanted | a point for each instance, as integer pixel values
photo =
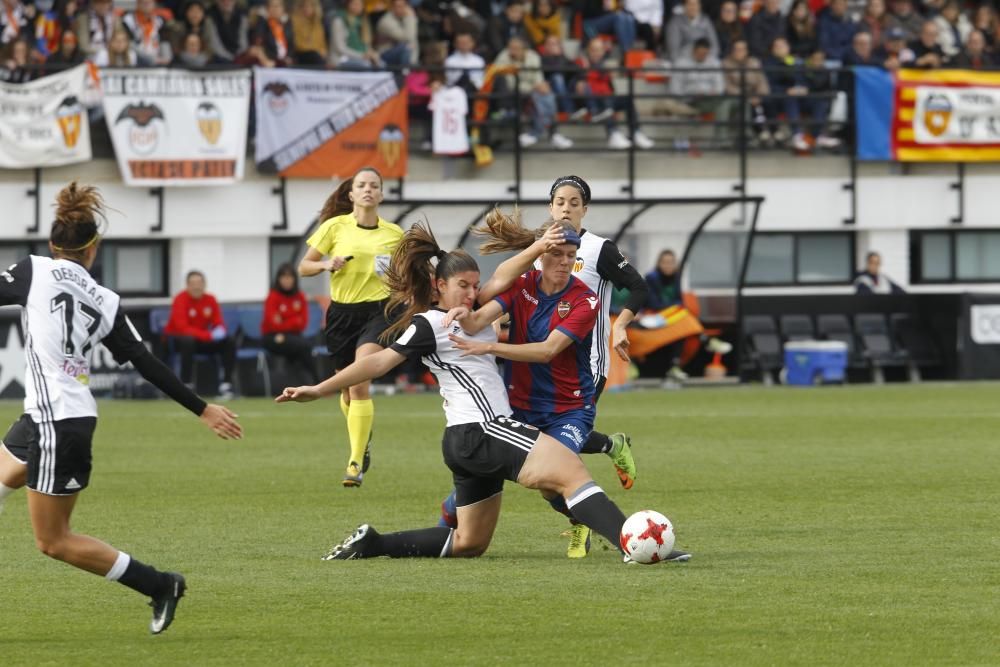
(351, 325)
(16, 440)
(59, 455)
(482, 455)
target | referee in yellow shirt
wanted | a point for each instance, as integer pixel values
(357, 245)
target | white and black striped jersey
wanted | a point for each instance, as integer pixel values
(65, 314)
(471, 386)
(601, 265)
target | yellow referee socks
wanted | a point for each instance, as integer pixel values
(344, 406)
(360, 416)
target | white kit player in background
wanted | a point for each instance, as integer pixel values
(450, 107)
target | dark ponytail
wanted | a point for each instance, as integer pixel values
(411, 275)
(79, 212)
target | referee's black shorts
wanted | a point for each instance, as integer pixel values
(58, 453)
(351, 325)
(482, 455)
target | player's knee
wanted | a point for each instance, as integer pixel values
(360, 392)
(52, 547)
(465, 546)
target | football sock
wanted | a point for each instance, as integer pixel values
(433, 542)
(137, 576)
(360, 415)
(559, 504)
(344, 405)
(592, 507)
(597, 443)
(449, 512)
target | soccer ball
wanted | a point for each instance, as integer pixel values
(647, 537)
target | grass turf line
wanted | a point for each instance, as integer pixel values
(829, 526)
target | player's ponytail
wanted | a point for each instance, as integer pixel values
(79, 211)
(339, 203)
(412, 273)
(505, 232)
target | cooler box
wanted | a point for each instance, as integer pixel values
(809, 362)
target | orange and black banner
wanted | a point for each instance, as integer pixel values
(314, 124)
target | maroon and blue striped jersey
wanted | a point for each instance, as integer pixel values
(566, 382)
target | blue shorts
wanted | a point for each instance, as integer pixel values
(571, 428)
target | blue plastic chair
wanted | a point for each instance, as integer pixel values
(249, 318)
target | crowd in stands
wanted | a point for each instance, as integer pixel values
(780, 51)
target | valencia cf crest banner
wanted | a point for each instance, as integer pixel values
(43, 123)
(174, 127)
(927, 115)
(316, 124)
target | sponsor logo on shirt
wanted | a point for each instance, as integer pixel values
(527, 296)
(563, 308)
(592, 300)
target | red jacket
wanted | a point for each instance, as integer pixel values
(285, 314)
(598, 79)
(194, 317)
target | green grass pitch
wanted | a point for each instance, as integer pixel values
(850, 525)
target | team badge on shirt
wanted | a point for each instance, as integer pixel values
(563, 308)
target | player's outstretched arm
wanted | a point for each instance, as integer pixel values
(533, 353)
(510, 269)
(474, 321)
(362, 370)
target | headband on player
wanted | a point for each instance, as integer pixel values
(83, 247)
(576, 182)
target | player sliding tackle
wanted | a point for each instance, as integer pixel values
(482, 444)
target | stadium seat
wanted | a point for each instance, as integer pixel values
(920, 346)
(797, 327)
(762, 344)
(249, 318)
(876, 341)
(838, 327)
